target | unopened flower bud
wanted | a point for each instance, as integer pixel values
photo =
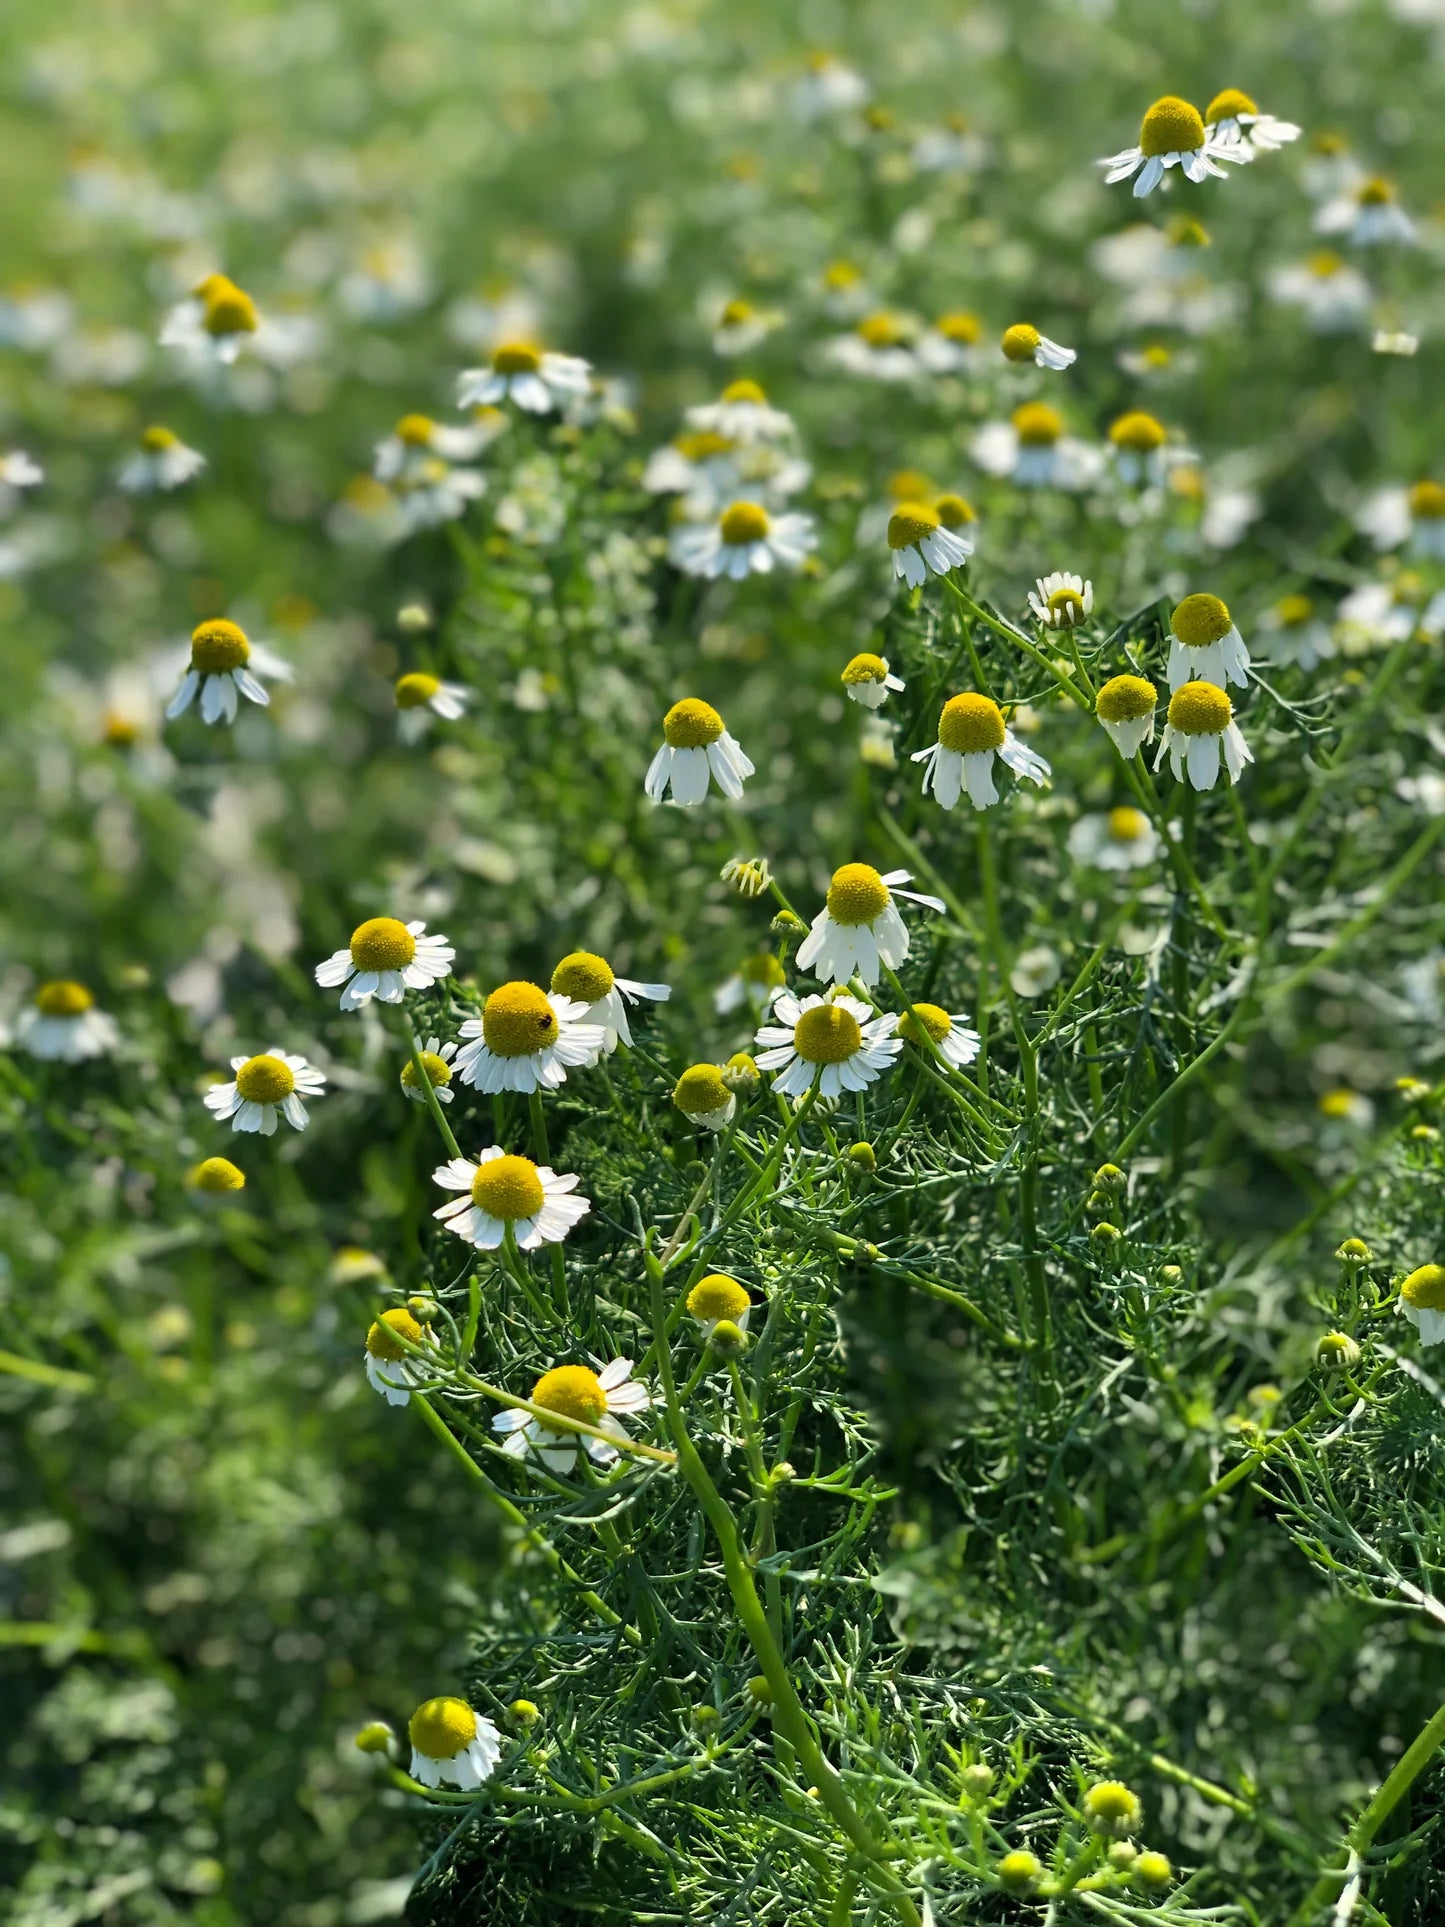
(759, 1691)
(1354, 1251)
(863, 1155)
(1123, 1854)
(785, 924)
(1110, 1807)
(1337, 1352)
(413, 618)
(1097, 1203)
(704, 1717)
(727, 1339)
(749, 876)
(977, 1780)
(524, 1713)
(375, 1737)
(1423, 1133)
(1414, 1090)
(740, 1074)
(1109, 1177)
(1171, 1275)
(422, 1308)
(1153, 1870)
(784, 1472)
(1106, 1234)
(1019, 1871)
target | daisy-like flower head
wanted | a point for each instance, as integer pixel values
(697, 749)
(742, 414)
(587, 979)
(449, 1742)
(757, 982)
(1297, 633)
(217, 1177)
(500, 1193)
(62, 1024)
(385, 959)
(1111, 1808)
(703, 1097)
(223, 659)
(420, 696)
(575, 1392)
(971, 732)
(216, 319)
(948, 1033)
(1172, 134)
(1061, 601)
(740, 327)
(532, 377)
(1032, 450)
(526, 1040)
(1422, 1301)
(954, 343)
(417, 436)
(1204, 642)
(922, 546)
(699, 464)
(390, 1368)
(419, 462)
(162, 462)
(1120, 839)
(436, 1061)
(828, 88)
(1334, 297)
(1233, 120)
(1201, 724)
(955, 513)
(1414, 515)
(744, 539)
(1137, 445)
(1367, 214)
(879, 348)
(17, 472)
(867, 680)
(264, 1088)
(859, 927)
(834, 1042)
(718, 1298)
(1023, 343)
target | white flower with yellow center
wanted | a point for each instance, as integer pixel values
(697, 749)
(859, 927)
(526, 1040)
(1333, 297)
(953, 345)
(264, 1088)
(1368, 214)
(501, 1193)
(1200, 730)
(948, 1033)
(921, 544)
(697, 464)
(828, 87)
(1378, 613)
(1172, 134)
(452, 1744)
(420, 696)
(1415, 516)
(867, 680)
(1232, 119)
(1032, 450)
(1204, 642)
(385, 959)
(951, 149)
(741, 414)
(215, 321)
(757, 982)
(879, 348)
(17, 472)
(743, 539)
(1139, 450)
(739, 327)
(390, 1368)
(703, 1097)
(1119, 839)
(719, 1299)
(835, 1042)
(1422, 1301)
(62, 1024)
(1294, 632)
(536, 380)
(1060, 600)
(161, 463)
(579, 1393)
(223, 662)
(971, 733)
(588, 979)
(436, 1061)
(419, 461)
(1023, 343)
(1125, 707)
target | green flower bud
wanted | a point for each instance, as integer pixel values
(759, 1691)
(727, 1339)
(1110, 1807)
(785, 924)
(704, 1717)
(1019, 1871)
(422, 1308)
(740, 1074)
(1123, 1854)
(375, 1737)
(1109, 1177)
(977, 1781)
(863, 1155)
(524, 1713)
(1337, 1352)
(1106, 1234)
(1354, 1251)
(1097, 1203)
(1171, 1275)
(1153, 1870)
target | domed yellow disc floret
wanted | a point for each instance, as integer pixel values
(933, 1021)
(865, 668)
(1292, 610)
(1425, 1288)
(960, 326)
(572, 1391)
(156, 440)
(382, 1337)
(692, 724)
(971, 724)
(508, 1188)
(1018, 1871)
(63, 998)
(1377, 192)
(736, 312)
(841, 275)
(1066, 606)
(219, 646)
(1037, 425)
(908, 485)
(744, 390)
(827, 1034)
(517, 1020)
(909, 523)
(743, 522)
(954, 512)
(415, 430)
(382, 943)
(415, 689)
(1229, 105)
(1139, 431)
(1171, 126)
(1199, 709)
(857, 894)
(883, 330)
(217, 1174)
(1021, 341)
(438, 1071)
(1126, 825)
(583, 975)
(1125, 699)
(229, 310)
(442, 1728)
(718, 1296)
(1427, 501)
(1110, 1807)
(700, 1091)
(1201, 619)
(516, 358)
(702, 446)
(265, 1080)
(118, 731)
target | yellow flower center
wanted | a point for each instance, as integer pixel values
(883, 330)
(1171, 126)
(971, 724)
(1229, 105)
(1187, 482)
(1201, 619)
(737, 312)
(717, 1296)
(63, 998)
(764, 970)
(381, 943)
(953, 512)
(572, 1391)
(1037, 425)
(1292, 610)
(700, 1091)
(217, 1174)
(382, 1337)
(1066, 606)
(415, 430)
(1377, 192)
(1126, 825)
(517, 1020)
(156, 440)
(120, 732)
(743, 522)
(516, 358)
(229, 310)
(1125, 699)
(960, 326)
(692, 724)
(1425, 1288)
(508, 1188)
(442, 1728)
(415, 689)
(1199, 709)
(1110, 1804)
(839, 276)
(909, 523)
(744, 390)
(702, 447)
(933, 1022)
(1427, 501)
(438, 1071)
(857, 894)
(1156, 355)
(1138, 431)
(1021, 341)
(265, 1080)
(865, 668)
(1324, 264)
(1183, 231)
(583, 975)
(218, 647)
(908, 485)
(827, 1034)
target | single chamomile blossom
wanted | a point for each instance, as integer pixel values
(385, 960)
(1233, 120)
(950, 149)
(697, 749)
(867, 680)
(922, 546)
(740, 327)
(833, 1042)
(215, 321)
(579, 1393)
(451, 1743)
(1201, 727)
(1293, 632)
(1125, 708)
(741, 414)
(526, 1040)
(757, 982)
(417, 436)
(948, 1032)
(716, 1299)
(390, 1368)
(1378, 613)
(537, 381)
(699, 465)
(1061, 601)
(223, 659)
(879, 348)
(420, 696)
(953, 344)
(1139, 450)
(1032, 450)
(17, 472)
(828, 87)
(500, 1193)
(161, 463)
(1035, 971)
(1368, 214)
(743, 539)
(62, 1025)
(436, 1061)
(971, 732)
(859, 927)
(703, 1097)
(264, 1088)
(1204, 642)
(1023, 343)
(587, 979)
(844, 292)
(1119, 839)
(419, 463)
(1172, 134)
(1422, 1301)
(1333, 297)
(1414, 516)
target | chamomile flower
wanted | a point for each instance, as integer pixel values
(953, 345)
(62, 1025)
(1204, 642)
(1333, 297)
(451, 1743)
(526, 1040)
(1199, 730)
(867, 680)
(1138, 447)
(1032, 450)
(419, 462)
(859, 927)
(757, 982)
(1172, 134)
(828, 88)
(971, 733)
(950, 149)
(843, 290)
(1293, 631)
(1377, 614)
(575, 1392)
(1023, 343)
(741, 414)
(697, 750)
(1233, 120)
(215, 321)
(1422, 1301)
(390, 1368)
(703, 1097)
(1367, 214)
(948, 1032)
(1414, 516)
(161, 463)
(587, 979)
(264, 1088)
(922, 546)
(385, 960)
(1125, 708)
(537, 381)
(1119, 839)
(879, 348)
(223, 659)
(834, 1042)
(740, 327)
(420, 696)
(743, 539)
(697, 464)
(500, 1193)
(717, 1299)
(436, 1061)
(1060, 600)
(17, 472)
